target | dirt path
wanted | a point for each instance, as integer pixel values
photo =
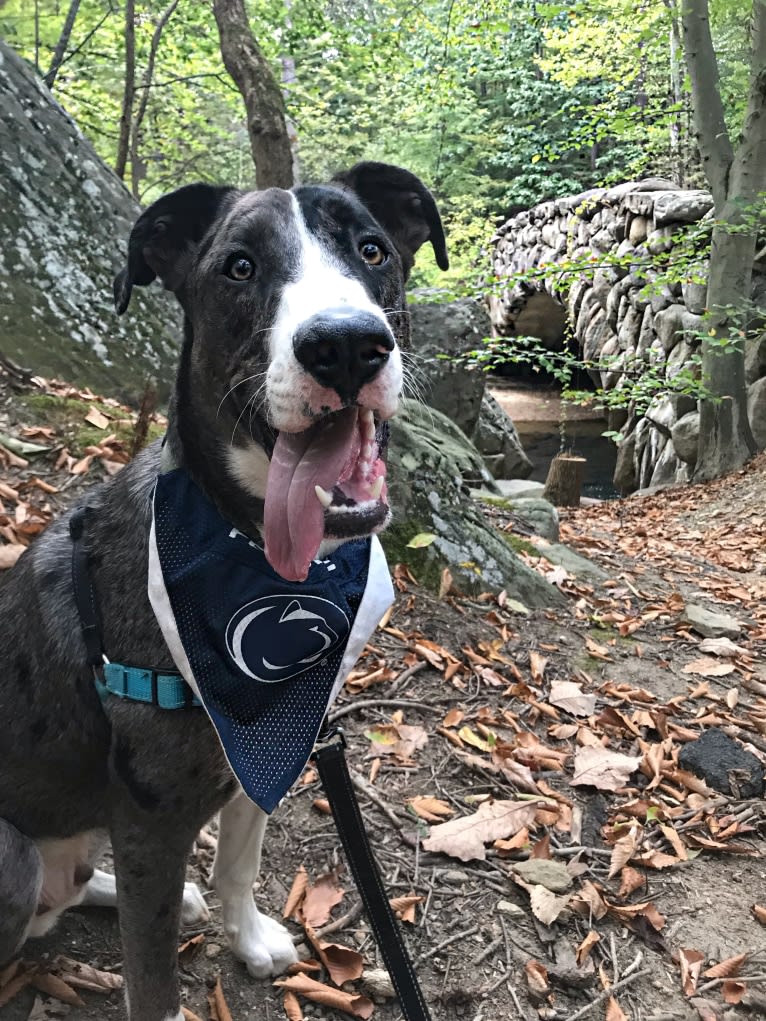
(654, 875)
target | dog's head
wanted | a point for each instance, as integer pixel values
(294, 304)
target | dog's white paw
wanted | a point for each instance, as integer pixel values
(194, 910)
(265, 947)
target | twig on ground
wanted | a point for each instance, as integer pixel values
(487, 951)
(340, 923)
(746, 979)
(376, 703)
(609, 992)
(446, 943)
(372, 795)
(399, 682)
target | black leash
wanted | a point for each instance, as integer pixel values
(330, 759)
(331, 763)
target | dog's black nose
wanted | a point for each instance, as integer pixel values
(343, 348)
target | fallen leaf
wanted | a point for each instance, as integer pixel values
(465, 838)
(9, 554)
(691, 962)
(421, 540)
(320, 898)
(430, 809)
(52, 985)
(216, 1002)
(759, 912)
(546, 906)
(537, 664)
(318, 992)
(707, 667)
(596, 766)
(537, 979)
(614, 1011)
(453, 717)
(296, 894)
(705, 1009)
(292, 1007)
(95, 417)
(571, 698)
(630, 881)
(404, 907)
(342, 963)
(584, 949)
(189, 1015)
(729, 968)
(734, 992)
(623, 850)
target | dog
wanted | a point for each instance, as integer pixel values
(295, 322)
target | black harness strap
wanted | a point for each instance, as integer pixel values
(84, 595)
(333, 771)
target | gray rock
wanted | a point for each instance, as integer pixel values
(755, 357)
(496, 439)
(553, 875)
(517, 489)
(539, 515)
(432, 467)
(452, 329)
(625, 470)
(681, 207)
(685, 434)
(723, 764)
(756, 411)
(709, 624)
(64, 222)
(580, 567)
(673, 323)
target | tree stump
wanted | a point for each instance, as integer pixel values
(565, 478)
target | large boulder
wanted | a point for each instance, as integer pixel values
(64, 221)
(685, 434)
(432, 468)
(756, 410)
(440, 333)
(497, 440)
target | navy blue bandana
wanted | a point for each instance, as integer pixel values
(265, 656)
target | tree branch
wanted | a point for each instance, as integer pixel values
(709, 122)
(748, 177)
(61, 45)
(126, 118)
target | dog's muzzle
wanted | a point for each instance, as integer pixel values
(343, 349)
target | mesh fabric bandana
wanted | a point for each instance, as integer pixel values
(265, 656)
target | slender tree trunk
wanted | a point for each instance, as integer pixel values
(126, 119)
(676, 96)
(137, 168)
(264, 102)
(61, 45)
(289, 79)
(736, 179)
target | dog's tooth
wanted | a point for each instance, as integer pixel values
(376, 488)
(323, 496)
(367, 451)
(368, 424)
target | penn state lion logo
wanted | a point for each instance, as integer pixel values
(278, 637)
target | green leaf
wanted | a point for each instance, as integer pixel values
(421, 540)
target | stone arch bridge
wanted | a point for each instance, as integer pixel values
(615, 318)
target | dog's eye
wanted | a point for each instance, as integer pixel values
(372, 254)
(240, 268)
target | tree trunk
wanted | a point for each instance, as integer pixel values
(736, 180)
(137, 169)
(61, 45)
(264, 102)
(565, 478)
(676, 96)
(126, 120)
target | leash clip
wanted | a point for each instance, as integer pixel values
(328, 737)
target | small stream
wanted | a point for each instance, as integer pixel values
(541, 441)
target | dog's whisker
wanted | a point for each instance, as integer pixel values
(247, 379)
(239, 419)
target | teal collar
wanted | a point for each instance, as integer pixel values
(165, 690)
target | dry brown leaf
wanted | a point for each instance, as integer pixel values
(465, 838)
(596, 766)
(52, 985)
(614, 1011)
(189, 1015)
(342, 963)
(216, 1003)
(546, 906)
(733, 991)
(584, 949)
(9, 554)
(729, 968)
(537, 665)
(404, 907)
(630, 881)
(759, 912)
(691, 962)
(320, 898)
(94, 417)
(21, 974)
(453, 717)
(292, 1007)
(296, 894)
(537, 979)
(318, 992)
(571, 698)
(705, 1009)
(521, 839)
(85, 976)
(623, 850)
(708, 667)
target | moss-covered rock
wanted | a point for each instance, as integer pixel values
(64, 222)
(432, 468)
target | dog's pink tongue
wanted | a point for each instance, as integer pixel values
(293, 516)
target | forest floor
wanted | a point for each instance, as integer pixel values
(518, 773)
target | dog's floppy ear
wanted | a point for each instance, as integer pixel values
(402, 205)
(164, 238)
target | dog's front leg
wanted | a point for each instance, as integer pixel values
(264, 945)
(150, 868)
